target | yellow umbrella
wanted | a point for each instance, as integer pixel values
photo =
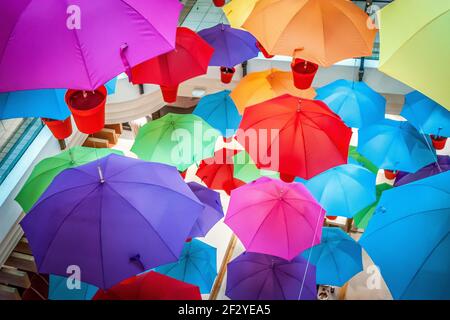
(257, 87)
(415, 46)
(237, 11)
(319, 31)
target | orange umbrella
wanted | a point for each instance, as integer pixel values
(320, 31)
(257, 87)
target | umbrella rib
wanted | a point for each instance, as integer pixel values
(261, 224)
(279, 284)
(228, 216)
(248, 277)
(301, 215)
(291, 276)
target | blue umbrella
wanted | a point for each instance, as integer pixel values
(343, 190)
(408, 238)
(231, 46)
(48, 103)
(355, 102)
(220, 112)
(427, 116)
(337, 258)
(395, 145)
(413, 97)
(59, 290)
(197, 265)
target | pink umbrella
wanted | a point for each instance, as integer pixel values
(277, 218)
(80, 44)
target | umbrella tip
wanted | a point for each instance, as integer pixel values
(100, 173)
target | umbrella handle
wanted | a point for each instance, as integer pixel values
(126, 63)
(137, 260)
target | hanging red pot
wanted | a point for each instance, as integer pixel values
(286, 177)
(169, 93)
(227, 140)
(266, 54)
(331, 218)
(219, 3)
(183, 174)
(304, 73)
(88, 109)
(61, 129)
(438, 142)
(189, 240)
(226, 74)
(390, 175)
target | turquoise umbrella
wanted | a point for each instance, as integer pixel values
(197, 265)
(220, 112)
(59, 289)
(408, 238)
(337, 258)
(343, 190)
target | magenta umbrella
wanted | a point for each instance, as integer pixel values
(273, 217)
(80, 44)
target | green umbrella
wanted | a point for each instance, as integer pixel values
(363, 217)
(246, 170)
(176, 139)
(415, 46)
(355, 157)
(44, 172)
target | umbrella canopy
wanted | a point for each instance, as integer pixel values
(442, 165)
(245, 169)
(231, 46)
(411, 47)
(176, 139)
(354, 157)
(150, 286)
(255, 276)
(237, 11)
(59, 290)
(257, 87)
(211, 214)
(321, 31)
(363, 217)
(197, 265)
(217, 172)
(220, 112)
(408, 239)
(101, 217)
(427, 116)
(337, 258)
(273, 217)
(395, 145)
(310, 137)
(343, 190)
(355, 102)
(46, 170)
(91, 44)
(189, 59)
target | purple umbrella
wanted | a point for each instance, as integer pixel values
(256, 276)
(231, 46)
(212, 213)
(80, 44)
(113, 218)
(442, 165)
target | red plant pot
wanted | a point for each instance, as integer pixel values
(227, 140)
(88, 112)
(331, 218)
(61, 129)
(304, 73)
(390, 175)
(188, 239)
(264, 51)
(169, 93)
(438, 142)
(183, 174)
(219, 3)
(226, 74)
(286, 177)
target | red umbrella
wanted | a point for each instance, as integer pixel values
(150, 286)
(217, 172)
(294, 136)
(189, 59)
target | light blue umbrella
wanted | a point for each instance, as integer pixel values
(337, 258)
(427, 116)
(220, 112)
(48, 103)
(395, 145)
(408, 238)
(343, 190)
(197, 265)
(59, 290)
(355, 102)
